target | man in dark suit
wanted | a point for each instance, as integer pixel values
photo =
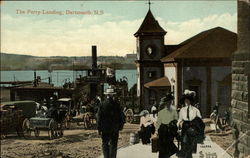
(110, 120)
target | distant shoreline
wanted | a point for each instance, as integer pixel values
(10, 62)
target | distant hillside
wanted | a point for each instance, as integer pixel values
(27, 62)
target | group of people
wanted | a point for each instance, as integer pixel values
(219, 119)
(169, 124)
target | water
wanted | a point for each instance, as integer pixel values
(59, 77)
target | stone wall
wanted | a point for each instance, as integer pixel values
(240, 107)
(240, 83)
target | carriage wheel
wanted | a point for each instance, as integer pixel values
(129, 115)
(26, 128)
(36, 132)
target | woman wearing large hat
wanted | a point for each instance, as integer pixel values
(166, 126)
(191, 124)
(188, 112)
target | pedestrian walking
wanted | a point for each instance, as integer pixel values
(191, 124)
(166, 125)
(110, 120)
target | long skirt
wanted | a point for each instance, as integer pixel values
(166, 145)
(146, 133)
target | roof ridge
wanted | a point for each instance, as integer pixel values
(197, 41)
(194, 39)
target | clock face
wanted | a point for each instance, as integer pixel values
(149, 50)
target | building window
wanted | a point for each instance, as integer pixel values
(151, 74)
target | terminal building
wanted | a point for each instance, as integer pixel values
(201, 63)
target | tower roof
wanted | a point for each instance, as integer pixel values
(150, 26)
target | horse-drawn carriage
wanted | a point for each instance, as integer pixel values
(52, 121)
(15, 116)
(75, 114)
(26, 117)
(69, 106)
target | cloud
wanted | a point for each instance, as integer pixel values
(73, 36)
(180, 31)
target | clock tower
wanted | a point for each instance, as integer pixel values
(150, 49)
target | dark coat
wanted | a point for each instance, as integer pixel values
(192, 133)
(167, 133)
(194, 128)
(110, 117)
(146, 132)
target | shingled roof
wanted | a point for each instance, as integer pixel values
(214, 43)
(149, 26)
(161, 82)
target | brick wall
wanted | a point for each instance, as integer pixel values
(240, 107)
(240, 83)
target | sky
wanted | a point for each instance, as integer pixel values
(46, 28)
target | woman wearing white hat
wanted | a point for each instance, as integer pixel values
(191, 124)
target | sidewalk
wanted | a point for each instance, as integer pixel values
(207, 150)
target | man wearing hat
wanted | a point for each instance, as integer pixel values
(167, 128)
(191, 124)
(110, 120)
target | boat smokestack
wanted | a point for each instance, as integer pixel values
(94, 57)
(35, 79)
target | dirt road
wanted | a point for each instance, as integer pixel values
(76, 143)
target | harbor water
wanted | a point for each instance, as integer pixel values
(59, 77)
